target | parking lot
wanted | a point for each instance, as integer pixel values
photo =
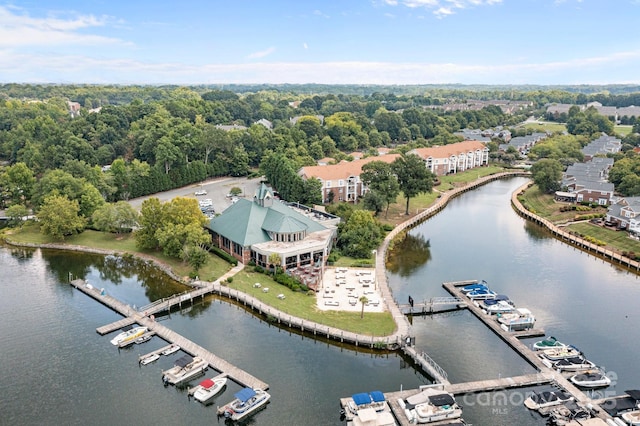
(216, 190)
(342, 289)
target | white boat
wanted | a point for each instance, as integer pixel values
(547, 343)
(246, 402)
(144, 338)
(538, 400)
(578, 363)
(185, 368)
(208, 388)
(430, 405)
(500, 307)
(149, 359)
(631, 417)
(591, 379)
(171, 349)
(556, 354)
(128, 335)
(520, 319)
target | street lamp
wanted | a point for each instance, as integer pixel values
(375, 269)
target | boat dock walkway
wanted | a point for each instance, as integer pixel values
(232, 372)
(433, 306)
(512, 339)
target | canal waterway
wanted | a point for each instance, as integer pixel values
(57, 370)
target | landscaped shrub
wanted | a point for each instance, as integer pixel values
(259, 269)
(223, 254)
(230, 280)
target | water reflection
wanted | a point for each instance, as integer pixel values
(408, 255)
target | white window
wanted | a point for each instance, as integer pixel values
(328, 184)
(341, 182)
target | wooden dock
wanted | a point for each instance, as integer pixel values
(433, 306)
(232, 372)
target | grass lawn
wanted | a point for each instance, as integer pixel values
(546, 126)
(303, 305)
(545, 206)
(616, 240)
(622, 129)
(30, 233)
(423, 201)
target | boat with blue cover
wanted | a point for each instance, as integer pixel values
(499, 304)
(476, 286)
(246, 401)
(481, 293)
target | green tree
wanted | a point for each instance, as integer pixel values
(359, 235)
(382, 182)
(413, 176)
(547, 174)
(18, 182)
(363, 300)
(275, 261)
(59, 217)
(151, 219)
(116, 217)
(17, 214)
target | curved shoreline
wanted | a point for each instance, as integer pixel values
(608, 255)
(390, 341)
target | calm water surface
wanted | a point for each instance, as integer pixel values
(56, 369)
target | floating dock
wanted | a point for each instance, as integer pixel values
(133, 316)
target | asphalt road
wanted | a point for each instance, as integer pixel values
(217, 189)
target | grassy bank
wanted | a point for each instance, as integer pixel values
(303, 305)
(296, 303)
(545, 206)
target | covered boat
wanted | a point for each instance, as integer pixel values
(499, 307)
(591, 379)
(129, 334)
(208, 388)
(520, 319)
(481, 293)
(185, 368)
(247, 401)
(578, 363)
(476, 286)
(538, 400)
(555, 354)
(547, 343)
(430, 405)
(632, 417)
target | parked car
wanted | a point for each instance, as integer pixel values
(206, 202)
(201, 192)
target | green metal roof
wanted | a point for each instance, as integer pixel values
(246, 222)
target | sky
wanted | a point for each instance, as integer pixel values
(190, 42)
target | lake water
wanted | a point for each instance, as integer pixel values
(56, 369)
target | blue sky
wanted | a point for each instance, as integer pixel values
(329, 41)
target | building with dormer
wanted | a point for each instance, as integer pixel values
(253, 230)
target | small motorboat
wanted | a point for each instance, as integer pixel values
(500, 307)
(559, 353)
(247, 401)
(591, 379)
(578, 363)
(144, 338)
(481, 294)
(538, 400)
(208, 388)
(631, 417)
(149, 359)
(547, 343)
(171, 349)
(128, 335)
(519, 319)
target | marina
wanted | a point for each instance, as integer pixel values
(232, 372)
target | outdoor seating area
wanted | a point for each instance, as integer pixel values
(308, 275)
(342, 289)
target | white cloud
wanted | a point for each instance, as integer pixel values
(305, 45)
(22, 68)
(442, 8)
(262, 53)
(23, 30)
